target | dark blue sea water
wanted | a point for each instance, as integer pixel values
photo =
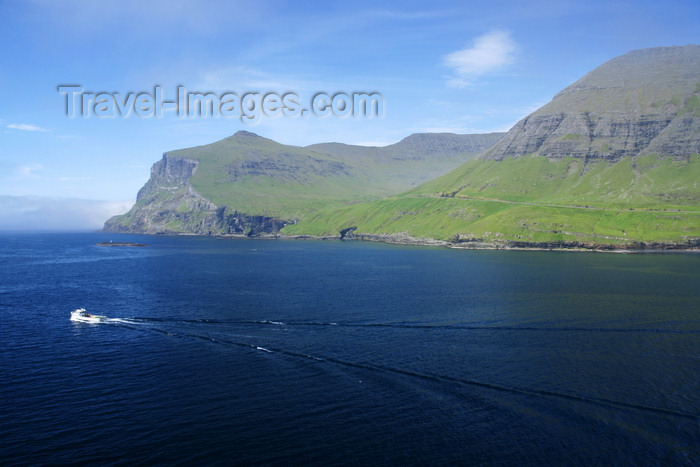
(260, 352)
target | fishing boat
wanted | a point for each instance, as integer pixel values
(81, 315)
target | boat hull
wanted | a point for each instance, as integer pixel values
(82, 316)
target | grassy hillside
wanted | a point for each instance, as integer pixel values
(613, 159)
(650, 182)
(259, 176)
(534, 200)
(250, 185)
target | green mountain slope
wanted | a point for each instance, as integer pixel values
(258, 175)
(612, 161)
(248, 184)
(531, 201)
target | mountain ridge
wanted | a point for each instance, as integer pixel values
(613, 161)
(640, 103)
(248, 184)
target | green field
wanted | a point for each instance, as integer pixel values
(532, 199)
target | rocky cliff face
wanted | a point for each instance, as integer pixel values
(644, 102)
(168, 203)
(168, 174)
(420, 145)
(249, 185)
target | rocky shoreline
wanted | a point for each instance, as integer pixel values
(692, 246)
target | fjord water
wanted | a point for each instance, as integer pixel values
(260, 352)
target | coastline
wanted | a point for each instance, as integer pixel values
(690, 247)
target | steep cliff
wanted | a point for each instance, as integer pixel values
(644, 102)
(169, 204)
(250, 185)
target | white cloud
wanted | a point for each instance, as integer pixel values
(242, 79)
(74, 179)
(25, 127)
(490, 52)
(30, 171)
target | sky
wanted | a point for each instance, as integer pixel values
(459, 67)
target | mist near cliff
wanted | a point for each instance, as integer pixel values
(44, 213)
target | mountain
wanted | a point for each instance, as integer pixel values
(644, 102)
(612, 161)
(247, 184)
(418, 146)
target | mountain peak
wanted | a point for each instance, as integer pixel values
(648, 69)
(643, 102)
(245, 134)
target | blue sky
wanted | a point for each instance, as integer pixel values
(462, 67)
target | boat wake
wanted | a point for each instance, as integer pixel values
(300, 324)
(448, 327)
(380, 368)
(81, 315)
(122, 321)
(162, 325)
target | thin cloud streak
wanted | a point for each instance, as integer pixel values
(25, 127)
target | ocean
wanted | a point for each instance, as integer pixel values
(280, 352)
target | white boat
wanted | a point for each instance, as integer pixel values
(81, 315)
